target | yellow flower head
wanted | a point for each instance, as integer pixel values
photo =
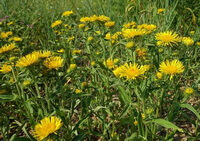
(47, 126)
(81, 25)
(67, 13)
(103, 18)
(167, 38)
(161, 10)
(141, 52)
(109, 24)
(10, 23)
(5, 35)
(72, 67)
(16, 39)
(130, 44)
(129, 25)
(93, 18)
(148, 27)
(131, 33)
(56, 23)
(135, 122)
(90, 38)
(78, 91)
(171, 67)
(189, 90)
(159, 75)
(92, 63)
(71, 38)
(27, 60)
(198, 43)
(110, 63)
(85, 19)
(76, 51)
(5, 68)
(42, 54)
(130, 71)
(54, 62)
(26, 82)
(192, 32)
(7, 47)
(108, 36)
(187, 41)
(84, 84)
(61, 50)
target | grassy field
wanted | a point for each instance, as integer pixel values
(99, 70)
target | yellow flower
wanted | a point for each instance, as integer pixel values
(26, 82)
(71, 67)
(159, 75)
(71, 38)
(141, 52)
(7, 47)
(109, 24)
(130, 71)
(167, 38)
(92, 63)
(61, 50)
(93, 18)
(108, 36)
(160, 10)
(17, 39)
(56, 23)
(130, 24)
(67, 13)
(187, 41)
(77, 91)
(47, 126)
(198, 43)
(81, 25)
(192, 32)
(129, 44)
(103, 18)
(131, 33)
(27, 60)
(10, 23)
(110, 63)
(76, 51)
(135, 122)
(42, 54)
(5, 35)
(83, 84)
(90, 38)
(143, 116)
(5, 68)
(189, 90)
(98, 32)
(149, 27)
(116, 35)
(171, 67)
(54, 62)
(85, 19)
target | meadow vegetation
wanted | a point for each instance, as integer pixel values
(106, 70)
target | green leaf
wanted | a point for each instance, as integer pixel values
(132, 137)
(124, 95)
(7, 98)
(191, 108)
(165, 124)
